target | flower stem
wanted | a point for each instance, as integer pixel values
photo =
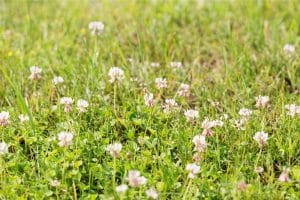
(187, 189)
(115, 97)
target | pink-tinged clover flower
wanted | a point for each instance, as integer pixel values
(135, 179)
(65, 139)
(261, 138)
(193, 169)
(4, 118)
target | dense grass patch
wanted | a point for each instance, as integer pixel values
(231, 132)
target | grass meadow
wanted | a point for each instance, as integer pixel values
(149, 99)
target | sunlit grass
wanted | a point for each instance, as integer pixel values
(86, 132)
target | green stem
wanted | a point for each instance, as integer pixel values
(74, 190)
(115, 97)
(187, 189)
(64, 167)
(259, 154)
(114, 173)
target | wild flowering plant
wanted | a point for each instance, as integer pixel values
(96, 28)
(184, 90)
(23, 118)
(121, 188)
(289, 49)
(151, 193)
(116, 74)
(36, 73)
(193, 169)
(3, 148)
(135, 179)
(114, 149)
(4, 118)
(65, 139)
(67, 102)
(170, 105)
(293, 110)
(57, 80)
(261, 138)
(82, 105)
(200, 143)
(161, 83)
(262, 101)
(64, 136)
(191, 114)
(175, 65)
(149, 99)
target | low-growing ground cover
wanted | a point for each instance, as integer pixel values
(149, 99)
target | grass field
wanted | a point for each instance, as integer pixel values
(155, 99)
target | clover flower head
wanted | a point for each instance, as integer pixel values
(116, 74)
(96, 27)
(3, 148)
(65, 139)
(114, 149)
(193, 169)
(82, 105)
(35, 73)
(160, 83)
(135, 179)
(191, 114)
(261, 138)
(4, 118)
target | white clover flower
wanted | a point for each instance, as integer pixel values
(82, 105)
(152, 193)
(154, 64)
(245, 112)
(262, 101)
(65, 139)
(116, 74)
(149, 100)
(135, 179)
(184, 90)
(35, 73)
(3, 148)
(170, 105)
(57, 80)
(242, 185)
(121, 188)
(23, 118)
(293, 109)
(191, 114)
(289, 49)
(217, 123)
(55, 183)
(4, 118)
(259, 169)
(200, 143)
(194, 169)
(131, 60)
(261, 138)
(239, 124)
(114, 149)
(160, 83)
(67, 103)
(284, 176)
(207, 125)
(175, 65)
(96, 27)
(196, 157)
